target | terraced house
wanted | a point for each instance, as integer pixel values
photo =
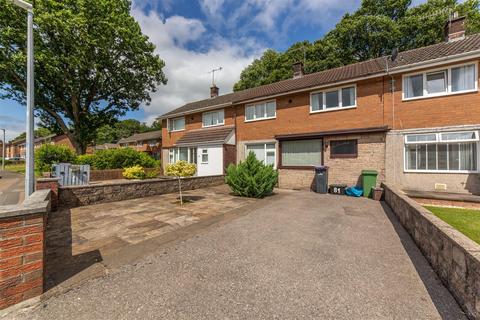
(413, 116)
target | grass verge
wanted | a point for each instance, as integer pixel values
(467, 221)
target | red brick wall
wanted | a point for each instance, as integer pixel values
(192, 121)
(22, 246)
(451, 110)
(229, 155)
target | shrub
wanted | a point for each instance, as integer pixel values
(118, 159)
(135, 172)
(49, 154)
(251, 178)
(181, 169)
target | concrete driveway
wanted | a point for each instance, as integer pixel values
(297, 255)
(11, 187)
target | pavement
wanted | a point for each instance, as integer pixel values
(297, 255)
(11, 188)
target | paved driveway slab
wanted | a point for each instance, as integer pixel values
(299, 255)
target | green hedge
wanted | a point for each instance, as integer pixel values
(49, 154)
(118, 159)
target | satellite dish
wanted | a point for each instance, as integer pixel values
(394, 54)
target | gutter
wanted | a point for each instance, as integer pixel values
(174, 115)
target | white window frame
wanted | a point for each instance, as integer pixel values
(265, 150)
(340, 107)
(176, 154)
(220, 111)
(204, 153)
(171, 121)
(449, 91)
(265, 114)
(437, 142)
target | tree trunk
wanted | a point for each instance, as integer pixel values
(79, 147)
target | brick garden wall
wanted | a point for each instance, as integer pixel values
(22, 249)
(453, 256)
(77, 196)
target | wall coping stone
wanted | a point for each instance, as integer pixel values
(38, 202)
(132, 182)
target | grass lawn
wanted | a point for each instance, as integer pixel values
(19, 168)
(467, 221)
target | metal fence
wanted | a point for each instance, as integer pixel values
(71, 174)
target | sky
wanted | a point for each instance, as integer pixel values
(194, 37)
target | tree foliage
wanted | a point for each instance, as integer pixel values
(374, 30)
(93, 64)
(181, 169)
(40, 132)
(251, 178)
(111, 133)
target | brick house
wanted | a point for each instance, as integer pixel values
(148, 142)
(413, 118)
(17, 148)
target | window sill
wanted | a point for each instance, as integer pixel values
(177, 130)
(439, 95)
(215, 125)
(344, 156)
(263, 119)
(331, 109)
(441, 171)
(297, 167)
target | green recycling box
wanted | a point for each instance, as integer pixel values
(369, 181)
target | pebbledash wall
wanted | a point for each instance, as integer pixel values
(77, 196)
(22, 248)
(453, 256)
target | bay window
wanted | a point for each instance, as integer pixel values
(213, 118)
(455, 152)
(260, 111)
(445, 81)
(301, 153)
(264, 152)
(333, 99)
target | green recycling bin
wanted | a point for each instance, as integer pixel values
(369, 181)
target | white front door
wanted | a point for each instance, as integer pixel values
(209, 160)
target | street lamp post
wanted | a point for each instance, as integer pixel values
(3, 150)
(29, 172)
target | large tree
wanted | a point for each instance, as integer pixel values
(374, 30)
(93, 64)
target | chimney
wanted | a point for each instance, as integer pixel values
(455, 28)
(214, 91)
(298, 70)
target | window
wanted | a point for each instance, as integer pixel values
(343, 148)
(152, 143)
(452, 151)
(139, 143)
(213, 118)
(177, 154)
(333, 99)
(204, 155)
(263, 151)
(437, 82)
(300, 153)
(463, 78)
(259, 111)
(176, 124)
(440, 82)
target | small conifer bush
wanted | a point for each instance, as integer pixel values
(251, 178)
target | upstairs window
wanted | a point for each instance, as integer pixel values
(260, 111)
(213, 118)
(441, 82)
(333, 99)
(176, 124)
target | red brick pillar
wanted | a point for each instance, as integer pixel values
(51, 184)
(22, 248)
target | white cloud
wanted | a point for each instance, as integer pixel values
(186, 69)
(13, 127)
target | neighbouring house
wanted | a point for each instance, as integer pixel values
(148, 142)
(17, 148)
(413, 117)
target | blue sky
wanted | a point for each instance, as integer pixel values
(195, 36)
